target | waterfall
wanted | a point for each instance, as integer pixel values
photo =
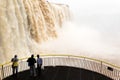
(25, 24)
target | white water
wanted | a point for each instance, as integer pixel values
(24, 24)
(94, 32)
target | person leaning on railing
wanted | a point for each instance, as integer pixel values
(15, 65)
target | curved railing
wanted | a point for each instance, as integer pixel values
(95, 65)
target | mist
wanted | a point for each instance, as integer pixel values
(93, 30)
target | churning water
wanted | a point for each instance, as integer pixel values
(93, 31)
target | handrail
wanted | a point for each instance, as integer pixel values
(82, 57)
(69, 55)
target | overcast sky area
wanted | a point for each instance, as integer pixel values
(95, 28)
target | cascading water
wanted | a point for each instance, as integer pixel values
(24, 24)
(94, 32)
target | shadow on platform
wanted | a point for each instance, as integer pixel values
(60, 73)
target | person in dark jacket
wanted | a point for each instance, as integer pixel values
(31, 63)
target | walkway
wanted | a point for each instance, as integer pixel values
(61, 73)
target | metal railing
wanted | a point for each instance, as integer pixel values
(95, 65)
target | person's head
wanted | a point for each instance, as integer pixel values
(32, 56)
(15, 56)
(38, 56)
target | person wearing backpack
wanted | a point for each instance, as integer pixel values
(15, 65)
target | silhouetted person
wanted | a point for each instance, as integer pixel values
(39, 64)
(15, 65)
(31, 63)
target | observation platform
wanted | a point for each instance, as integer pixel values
(64, 67)
(61, 73)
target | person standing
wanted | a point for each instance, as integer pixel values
(14, 65)
(31, 63)
(39, 64)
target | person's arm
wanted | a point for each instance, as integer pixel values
(28, 60)
(41, 61)
(35, 60)
(12, 60)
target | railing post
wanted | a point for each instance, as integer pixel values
(68, 57)
(2, 72)
(84, 59)
(101, 68)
